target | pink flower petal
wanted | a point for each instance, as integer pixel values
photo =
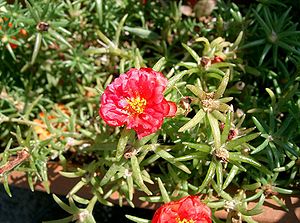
(136, 99)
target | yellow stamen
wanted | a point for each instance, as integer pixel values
(136, 105)
(184, 220)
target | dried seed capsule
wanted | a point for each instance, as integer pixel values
(42, 26)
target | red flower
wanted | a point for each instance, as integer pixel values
(12, 45)
(217, 59)
(186, 210)
(23, 32)
(136, 99)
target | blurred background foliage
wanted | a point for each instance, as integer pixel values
(233, 70)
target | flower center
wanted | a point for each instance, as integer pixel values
(136, 105)
(184, 220)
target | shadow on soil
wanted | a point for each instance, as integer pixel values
(34, 207)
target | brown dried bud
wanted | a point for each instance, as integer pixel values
(205, 62)
(42, 26)
(222, 155)
(269, 190)
(185, 103)
(129, 151)
(210, 105)
(232, 134)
